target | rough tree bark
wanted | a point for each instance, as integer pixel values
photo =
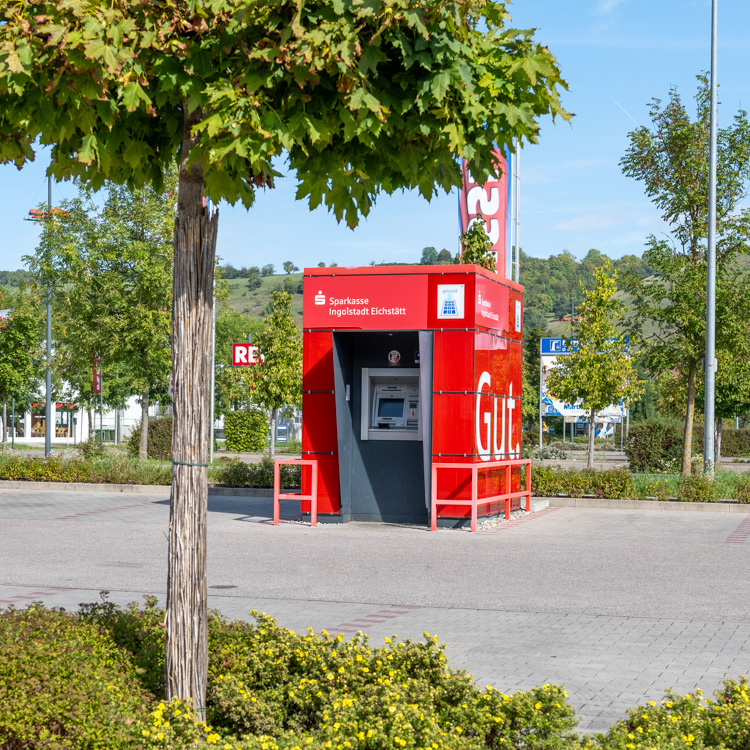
(143, 445)
(592, 428)
(687, 444)
(194, 253)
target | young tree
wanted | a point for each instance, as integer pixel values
(671, 159)
(598, 371)
(109, 268)
(278, 381)
(232, 383)
(475, 246)
(360, 99)
(19, 340)
(289, 267)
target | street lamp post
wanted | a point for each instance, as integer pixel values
(710, 363)
(48, 394)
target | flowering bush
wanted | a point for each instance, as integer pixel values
(684, 722)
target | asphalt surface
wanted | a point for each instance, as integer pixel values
(616, 604)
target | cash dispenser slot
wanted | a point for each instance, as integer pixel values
(390, 404)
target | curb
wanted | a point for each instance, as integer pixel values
(658, 505)
(133, 489)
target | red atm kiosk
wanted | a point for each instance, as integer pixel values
(412, 393)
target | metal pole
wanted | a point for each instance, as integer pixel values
(518, 208)
(13, 422)
(101, 402)
(48, 394)
(213, 379)
(710, 360)
(540, 394)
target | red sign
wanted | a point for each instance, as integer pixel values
(96, 373)
(395, 302)
(245, 354)
(490, 200)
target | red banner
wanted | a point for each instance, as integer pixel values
(490, 200)
(96, 373)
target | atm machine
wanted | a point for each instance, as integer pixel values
(390, 404)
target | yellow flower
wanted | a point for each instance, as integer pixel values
(160, 735)
(537, 705)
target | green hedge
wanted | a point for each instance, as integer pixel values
(104, 470)
(64, 684)
(235, 473)
(549, 481)
(246, 430)
(655, 445)
(159, 439)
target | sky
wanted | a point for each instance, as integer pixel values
(616, 56)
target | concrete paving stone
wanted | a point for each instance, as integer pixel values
(597, 600)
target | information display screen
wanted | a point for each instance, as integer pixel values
(391, 407)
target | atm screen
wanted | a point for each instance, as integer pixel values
(391, 407)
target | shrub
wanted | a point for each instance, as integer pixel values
(742, 488)
(159, 439)
(654, 446)
(683, 722)
(92, 448)
(554, 480)
(548, 452)
(104, 470)
(236, 473)
(63, 684)
(735, 442)
(246, 430)
(697, 488)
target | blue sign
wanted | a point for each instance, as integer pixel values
(554, 346)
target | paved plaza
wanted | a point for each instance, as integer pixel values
(616, 604)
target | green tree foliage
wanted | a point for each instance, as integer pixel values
(359, 99)
(278, 381)
(289, 267)
(429, 257)
(551, 283)
(671, 160)
(232, 383)
(599, 371)
(530, 393)
(444, 258)
(268, 270)
(109, 267)
(475, 246)
(20, 346)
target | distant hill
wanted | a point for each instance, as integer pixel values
(549, 285)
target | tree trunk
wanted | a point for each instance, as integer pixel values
(272, 449)
(186, 660)
(687, 441)
(717, 442)
(91, 423)
(590, 456)
(143, 445)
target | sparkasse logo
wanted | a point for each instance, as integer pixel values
(320, 298)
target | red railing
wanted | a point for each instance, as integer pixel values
(475, 501)
(277, 494)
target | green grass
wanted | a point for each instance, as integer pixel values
(252, 302)
(663, 486)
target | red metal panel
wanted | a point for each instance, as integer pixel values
(317, 361)
(328, 484)
(450, 300)
(319, 422)
(491, 304)
(367, 302)
(515, 315)
(452, 430)
(453, 361)
(500, 357)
